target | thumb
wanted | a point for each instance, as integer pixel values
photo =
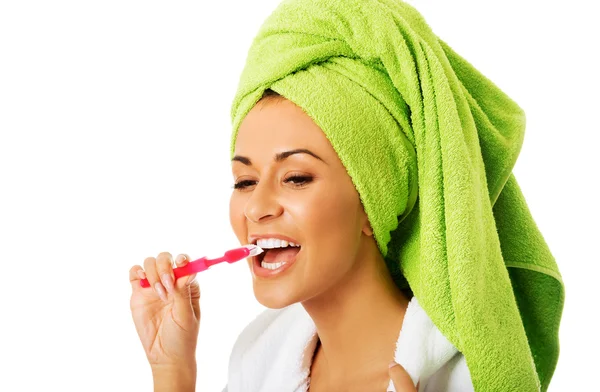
(187, 292)
(186, 303)
(401, 379)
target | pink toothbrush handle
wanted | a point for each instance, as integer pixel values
(203, 263)
(188, 269)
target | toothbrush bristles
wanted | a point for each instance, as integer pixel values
(254, 249)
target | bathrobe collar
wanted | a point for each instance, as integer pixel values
(274, 353)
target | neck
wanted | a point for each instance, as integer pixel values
(358, 321)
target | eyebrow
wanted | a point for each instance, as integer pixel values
(279, 156)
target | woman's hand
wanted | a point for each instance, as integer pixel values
(166, 314)
(401, 379)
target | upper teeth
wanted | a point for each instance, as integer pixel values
(269, 243)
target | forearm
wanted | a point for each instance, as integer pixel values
(175, 378)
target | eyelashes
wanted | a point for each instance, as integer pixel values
(298, 181)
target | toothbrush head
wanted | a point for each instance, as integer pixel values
(254, 249)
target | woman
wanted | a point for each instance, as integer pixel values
(388, 159)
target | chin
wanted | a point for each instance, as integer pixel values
(274, 298)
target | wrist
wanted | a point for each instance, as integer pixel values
(171, 377)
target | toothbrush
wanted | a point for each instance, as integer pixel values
(203, 263)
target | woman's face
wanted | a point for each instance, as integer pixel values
(310, 200)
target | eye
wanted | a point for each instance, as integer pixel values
(296, 180)
(242, 184)
(299, 180)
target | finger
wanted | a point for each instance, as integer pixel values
(153, 278)
(164, 268)
(182, 259)
(136, 273)
(187, 296)
(194, 288)
(184, 282)
(401, 379)
(187, 293)
(191, 279)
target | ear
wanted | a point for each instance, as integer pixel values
(367, 229)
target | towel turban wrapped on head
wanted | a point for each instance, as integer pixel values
(430, 144)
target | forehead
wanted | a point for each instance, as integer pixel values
(278, 123)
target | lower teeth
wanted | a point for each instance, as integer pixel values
(271, 266)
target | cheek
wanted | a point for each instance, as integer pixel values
(329, 222)
(236, 215)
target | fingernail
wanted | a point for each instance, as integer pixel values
(392, 364)
(161, 291)
(141, 274)
(167, 280)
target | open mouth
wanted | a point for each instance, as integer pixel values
(274, 260)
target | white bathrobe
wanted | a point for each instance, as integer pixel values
(274, 353)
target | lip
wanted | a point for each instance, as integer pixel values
(261, 272)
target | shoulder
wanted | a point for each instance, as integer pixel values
(264, 326)
(273, 343)
(271, 325)
(250, 349)
(259, 326)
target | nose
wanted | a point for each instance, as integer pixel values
(263, 203)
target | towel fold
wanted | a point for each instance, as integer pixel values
(430, 144)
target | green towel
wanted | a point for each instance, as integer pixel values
(408, 116)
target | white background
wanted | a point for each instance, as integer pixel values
(114, 146)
